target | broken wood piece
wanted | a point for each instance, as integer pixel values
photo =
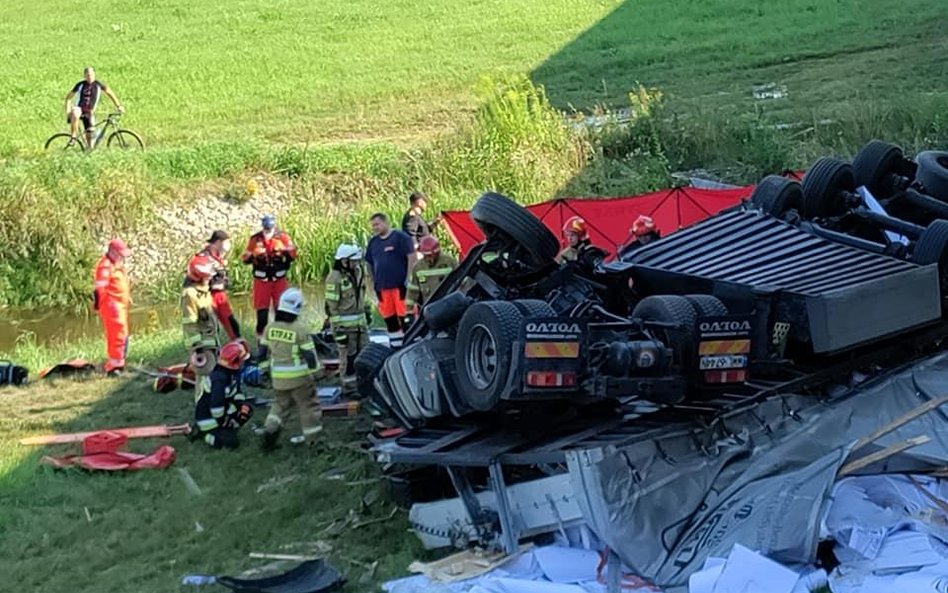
(293, 557)
(899, 422)
(133, 432)
(889, 451)
(464, 565)
(941, 504)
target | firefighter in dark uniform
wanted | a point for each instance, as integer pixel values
(348, 310)
(221, 407)
(643, 232)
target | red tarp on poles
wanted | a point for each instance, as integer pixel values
(103, 451)
(609, 219)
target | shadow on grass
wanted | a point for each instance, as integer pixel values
(78, 531)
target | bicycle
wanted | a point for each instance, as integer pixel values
(119, 138)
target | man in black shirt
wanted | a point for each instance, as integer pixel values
(412, 223)
(87, 93)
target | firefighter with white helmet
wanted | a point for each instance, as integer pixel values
(348, 309)
(290, 353)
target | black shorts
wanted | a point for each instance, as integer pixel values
(85, 118)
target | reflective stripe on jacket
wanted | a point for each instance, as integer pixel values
(286, 342)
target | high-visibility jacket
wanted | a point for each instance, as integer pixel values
(197, 317)
(346, 301)
(426, 278)
(271, 258)
(111, 283)
(285, 343)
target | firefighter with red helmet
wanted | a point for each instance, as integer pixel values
(220, 406)
(643, 232)
(428, 274)
(197, 316)
(111, 298)
(270, 252)
(578, 246)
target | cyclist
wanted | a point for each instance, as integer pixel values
(87, 92)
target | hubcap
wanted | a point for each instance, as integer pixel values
(481, 357)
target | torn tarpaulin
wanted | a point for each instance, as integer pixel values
(665, 506)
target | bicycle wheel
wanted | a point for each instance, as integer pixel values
(63, 141)
(126, 140)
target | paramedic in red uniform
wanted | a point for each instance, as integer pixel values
(111, 299)
(270, 252)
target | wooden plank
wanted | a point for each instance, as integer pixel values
(889, 451)
(899, 422)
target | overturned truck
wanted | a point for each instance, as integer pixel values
(553, 394)
(741, 295)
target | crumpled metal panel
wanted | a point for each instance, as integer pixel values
(665, 505)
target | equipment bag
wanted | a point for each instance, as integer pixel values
(11, 374)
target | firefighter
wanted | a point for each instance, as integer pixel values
(348, 309)
(578, 246)
(111, 298)
(221, 408)
(290, 354)
(197, 317)
(427, 275)
(644, 232)
(270, 252)
(217, 249)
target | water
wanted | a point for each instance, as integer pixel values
(54, 326)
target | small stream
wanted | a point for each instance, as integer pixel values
(50, 327)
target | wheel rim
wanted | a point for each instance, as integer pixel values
(481, 357)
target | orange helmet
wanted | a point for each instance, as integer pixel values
(201, 268)
(233, 354)
(429, 245)
(643, 225)
(576, 225)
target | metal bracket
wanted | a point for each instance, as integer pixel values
(510, 535)
(484, 521)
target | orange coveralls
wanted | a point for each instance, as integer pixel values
(113, 297)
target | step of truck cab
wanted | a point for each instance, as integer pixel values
(846, 295)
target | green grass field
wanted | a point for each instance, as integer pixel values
(291, 70)
(69, 530)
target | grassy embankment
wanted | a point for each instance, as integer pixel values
(226, 90)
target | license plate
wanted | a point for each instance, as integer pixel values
(722, 362)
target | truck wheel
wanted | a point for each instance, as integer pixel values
(823, 185)
(874, 163)
(484, 349)
(493, 212)
(534, 308)
(932, 246)
(445, 312)
(367, 366)
(775, 195)
(706, 305)
(672, 309)
(933, 173)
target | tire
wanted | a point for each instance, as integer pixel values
(126, 140)
(534, 308)
(706, 305)
(874, 164)
(823, 185)
(493, 212)
(367, 366)
(932, 246)
(775, 195)
(672, 309)
(932, 173)
(484, 352)
(446, 311)
(64, 142)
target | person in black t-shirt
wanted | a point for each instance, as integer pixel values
(87, 93)
(413, 223)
